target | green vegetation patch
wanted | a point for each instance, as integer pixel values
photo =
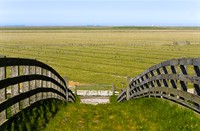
(34, 118)
(139, 114)
(100, 56)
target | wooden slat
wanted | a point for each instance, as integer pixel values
(49, 85)
(22, 96)
(175, 91)
(27, 62)
(2, 94)
(36, 78)
(196, 61)
(14, 89)
(165, 63)
(25, 86)
(12, 81)
(38, 83)
(32, 70)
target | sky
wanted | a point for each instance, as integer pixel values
(100, 12)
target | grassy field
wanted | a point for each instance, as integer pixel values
(100, 55)
(107, 55)
(141, 114)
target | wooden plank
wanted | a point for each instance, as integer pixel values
(32, 70)
(22, 96)
(2, 95)
(165, 70)
(49, 84)
(44, 83)
(183, 85)
(25, 87)
(174, 62)
(152, 68)
(26, 62)
(165, 63)
(185, 61)
(54, 86)
(38, 83)
(158, 66)
(173, 69)
(15, 89)
(196, 61)
(12, 81)
(183, 69)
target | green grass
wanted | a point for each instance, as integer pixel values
(140, 114)
(100, 56)
(33, 118)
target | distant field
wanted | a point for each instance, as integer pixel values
(100, 55)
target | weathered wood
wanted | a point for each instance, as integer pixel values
(165, 83)
(32, 83)
(49, 85)
(165, 63)
(183, 86)
(174, 62)
(183, 69)
(2, 94)
(158, 84)
(44, 84)
(25, 86)
(13, 100)
(38, 83)
(127, 93)
(196, 61)
(165, 70)
(14, 89)
(174, 71)
(27, 62)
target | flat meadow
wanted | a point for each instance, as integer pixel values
(101, 55)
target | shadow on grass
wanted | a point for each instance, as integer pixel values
(34, 117)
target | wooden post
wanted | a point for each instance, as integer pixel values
(38, 83)
(75, 89)
(67, 95)
(49, 94)
(14, 89)
(2, 94)
(32, 84)
(25, 86)
(128, 89)
(55, 86)
(113, 89)
(196, 87)
(44, 84)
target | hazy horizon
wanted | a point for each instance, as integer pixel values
(100, 13)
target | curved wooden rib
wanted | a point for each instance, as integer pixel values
(30, 81)
(169, 80)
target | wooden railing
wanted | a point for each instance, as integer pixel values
(177, 80)
(24, 82)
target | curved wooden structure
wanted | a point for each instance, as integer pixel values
(24, 82)
(177, 80)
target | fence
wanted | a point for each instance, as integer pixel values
(177, 80)
(24, 82)
(94, 90)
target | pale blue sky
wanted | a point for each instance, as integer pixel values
(100, 12)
